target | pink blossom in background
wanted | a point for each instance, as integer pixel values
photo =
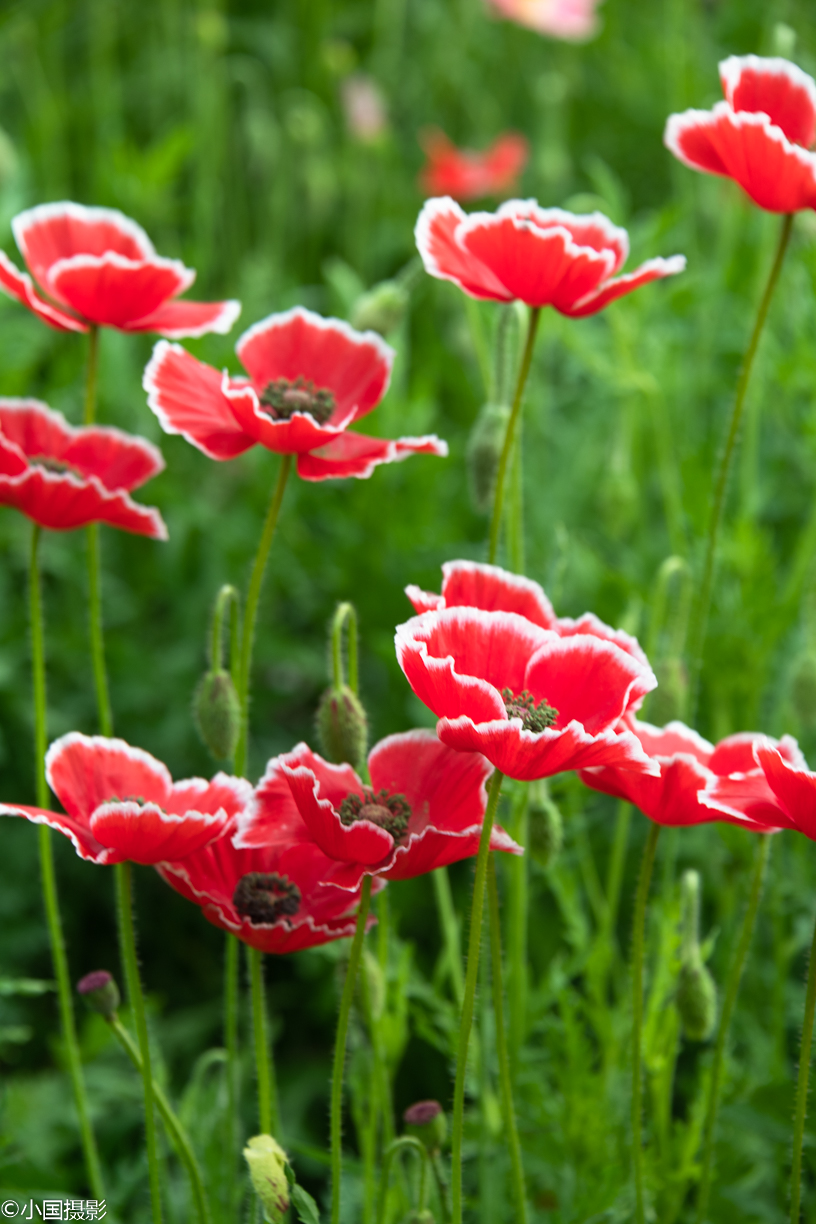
(364, 107)
(570, 19)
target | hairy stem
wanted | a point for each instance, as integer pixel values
(345, 613)
(802, 1083)
(638, 941)
(268, 1116)
(231, 966)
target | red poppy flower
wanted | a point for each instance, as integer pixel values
(759, 137)
(467, 175)
(533, 702)
(96, 266)
(541, 256)
(573, 20)
(63, 477)
(274, 898)
(309, 379)
(121, 803)
(698, 782)
(423, 808)
(792, 787)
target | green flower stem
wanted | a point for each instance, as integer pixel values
(97, 640)
(516, 872)
(49, 879)
(92, 376)
(251, 609)
(231, 965)
(175, 1131)
(404, 1143)
(268, 1115)
(340, 1049)
(505, 1080)
(507, 448)
(227, 597)
(721, 484)
(345, 613)
(729, 1002)
(802, 1083)
(471, 978)
(450, 931)
(638, 940)
(130, 964)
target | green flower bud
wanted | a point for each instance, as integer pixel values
(696, 1000)
(484, 450)
(100, 992)
(217, 713)
(267, 1163)
(668, 701)
(375, 983)
(546, 825)
(342, 726)
(803, 689)
(380, 309)
(427, 1122)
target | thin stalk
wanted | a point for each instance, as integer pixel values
(638, 940)
(450, 931)
(507, 448)
(505, 1080)
(515, 510)
(729, 1002)
(251, 608)
(231, 964)
(516, 872)
(268, 1115)
(340, 1048)
(802, 1083)
(227, 597)
(97, 639)
(92, 375)
(471, 978)
(130, 964)
(175, 1130)
(49, 879)
(345, 613)
(404, 1143)
(721, 483)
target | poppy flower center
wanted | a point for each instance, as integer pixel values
(533, 717)
(285, 397)
(53, 465)
(389, 812)
(265, 896)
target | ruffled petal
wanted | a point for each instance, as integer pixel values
(353, 454)
(590, 624)
(587, 679)
(186, 396)
(777, 88)
(424, 601)
(86, 771)
(19, 286)
(610, 291)
(672, 798)
(273, 818)
(85, 844)
(470, 584)
(670, 740)
(144, 833)
(175, 320)
(113, 291)
(587, 230)
(63, 502)
(52, 232)
(435, 234)
(794, 788)
(300, 433)
(362, 842)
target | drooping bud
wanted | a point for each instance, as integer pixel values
(696, 991)
(546, 825)
(217, 713)
(100, 992)
(381, 308)
(803, 689)
(484, 450)
(426, 1121)
(342, 726)
(267, 1163)
(668, 701)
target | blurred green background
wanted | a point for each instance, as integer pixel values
(221, 128)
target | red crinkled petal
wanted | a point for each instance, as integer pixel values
(273, 818)
(424, 601)
(298, 434)
(19, 286)
(85, 771)
(670, 799)
(590, 624)
(652, 269)
(444, 258)
(51, 232)
(794, 788)
(12, 460)
(63, 502)
(470, 584)
(354, 366)
(587, 230)
(777, 88)
(143, 833)
(113, 291)
(670, 740)
(361, 842)
(85, 844)
(186, 396)
(353, 454)
(179, 319)
(777, 175)
(588, 680)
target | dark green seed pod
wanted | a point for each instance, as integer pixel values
(668, 701)
(100, 992)
(381, 309)
(696, 1000)
(803, 689)
(217, 713)
(342, 726)
(546, 825)
(426, 1121)
(484, 450)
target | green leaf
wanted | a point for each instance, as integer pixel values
(305, 1206)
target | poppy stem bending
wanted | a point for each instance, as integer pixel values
(346, 613)
(227, 596)
(507, 448)
(721, 484)
(729, 1002)
(268, 1116)
(471, 978)
(638, 940)
(405, 1143)
(251, 609)
(175, 1131)
(49, 879)
(802, 1083)
(340, 1049)
(130, 965)
(505, 1080)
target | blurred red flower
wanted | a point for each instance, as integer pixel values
(96, 266)
(698, 782)
(532, 701)
(309, 379)
(423, 808)
(467, 175)
(573, 20)
(541, 256)
(760, 135)
(122, 804)
(785, 772)
(64, 477)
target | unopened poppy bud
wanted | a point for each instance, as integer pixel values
(484, 450)
(546, 825)
(100, 992)
(426, 1121)
(217, 713)
(668, 701)
(342, 726)
(375, 984)
(696, 991)
(267, 1163)
(803, 689)
(381, 309)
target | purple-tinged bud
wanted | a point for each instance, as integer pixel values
(426, 1121)
(100, 992)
